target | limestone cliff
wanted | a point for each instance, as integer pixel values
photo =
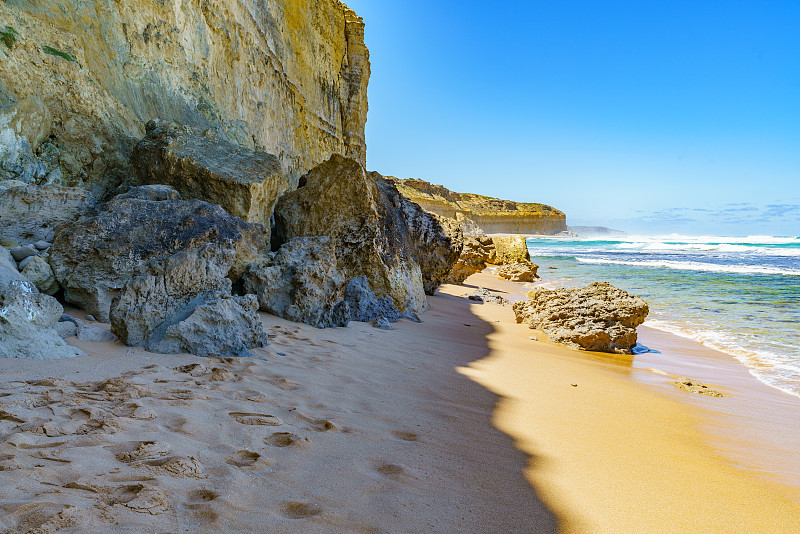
(80, 78)
(492, 215)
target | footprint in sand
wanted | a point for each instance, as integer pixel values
(219, 374)
(256, 419)
(178, 466)
(390, 470)
(286, 439)
(243, 458)
(135, 452)
(318, 425)
(139, 498)
(299, 510)
(404, 435)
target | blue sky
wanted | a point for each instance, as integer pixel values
(649, 117)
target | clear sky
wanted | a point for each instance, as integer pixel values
(650, 117)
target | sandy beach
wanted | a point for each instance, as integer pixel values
(459, 424)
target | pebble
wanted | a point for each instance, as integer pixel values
(20, 253)
(42, 245)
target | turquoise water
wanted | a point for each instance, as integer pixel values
(738, 295)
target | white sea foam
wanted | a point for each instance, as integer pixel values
(694, 266)
(769, 367)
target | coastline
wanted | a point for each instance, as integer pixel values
(634, 453)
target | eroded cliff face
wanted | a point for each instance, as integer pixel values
(491, 215)
(80, 78)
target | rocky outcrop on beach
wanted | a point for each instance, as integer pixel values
(518, 272)
(480, 251)
(28, 319)
(370, 235)
(95, 256)
(81, 78)
(598, 317)
(483, 214)
(31, 213)
(301, 282)
(204, 166)
(437, 241)
(477, 251)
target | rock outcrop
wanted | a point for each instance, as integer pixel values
(80, 78)
(28, 319)
(226, 326)
(369, 233)
(518, 272)
(487, 214)
(437, 240)
(598, 317)
(300, 282)
(508, 250)
(30, 213)
(182, 303)
(365, 306)
(476, 253)
(206, 167)
(95, 256)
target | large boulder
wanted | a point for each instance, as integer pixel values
(28, 320)
(204, 166)
(95, 256)
(301, 282)
(38, 271)
(437, 240)
(166, 290)
(226, 326)
(509, 250)
(519, 272)
(31, 213)
(598, 317)
(370, 235)
(365, 306)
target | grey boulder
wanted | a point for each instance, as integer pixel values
(95, 256)
(226, 326)
(38, 271)
(89, 332)
(365, 306)
(300, 282)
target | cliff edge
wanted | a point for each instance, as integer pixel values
(80, 78)
(491, 215)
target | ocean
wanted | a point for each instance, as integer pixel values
(738, 295)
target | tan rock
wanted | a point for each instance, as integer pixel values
(482, 214)
(244, 182)
(510, 250)
(371, 237)
(598, 317)
(518, 272)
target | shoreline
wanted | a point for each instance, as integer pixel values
(748, 423)
(654, 458)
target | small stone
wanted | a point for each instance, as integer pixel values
(90, 317)
(382, 323)
(68, 318)
(534, 338)
(66, 329)
(94, 333)
(42, 245)
(7, 242)
(20, 253)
